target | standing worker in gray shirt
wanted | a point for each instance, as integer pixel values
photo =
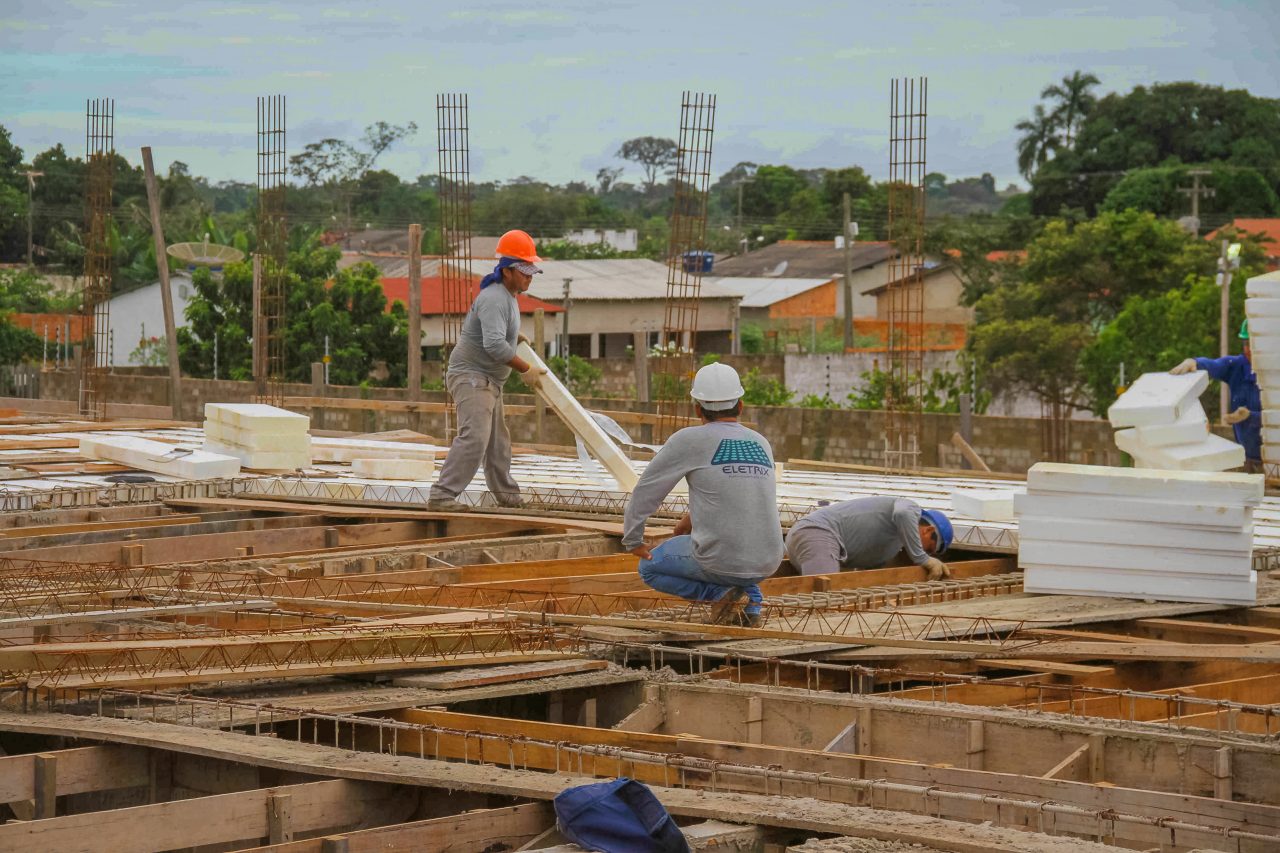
(731, 538)
(478, 366)
(867, 533)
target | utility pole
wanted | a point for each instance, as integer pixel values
(1228, 262)
(414, 371)
(166, 295)
(1197, 192)
(846, 287)
(564, 329)
(31, 186)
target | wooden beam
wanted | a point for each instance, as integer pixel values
(45, 783)
(1066, 762)
(1212, 630)
(218, 819)
(79, 771)
(481, 829)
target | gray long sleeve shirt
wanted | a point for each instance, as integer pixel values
(488, 337)
(871, 530)
(732, 498)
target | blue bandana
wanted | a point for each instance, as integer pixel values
(496, 275)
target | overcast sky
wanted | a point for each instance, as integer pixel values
(555, 87)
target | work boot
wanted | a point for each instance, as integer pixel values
(723, 611)
(446, 505)
(509, 501)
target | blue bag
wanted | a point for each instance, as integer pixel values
(621, 816)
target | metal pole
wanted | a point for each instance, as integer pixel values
(564, 329)
(847, 284)
(1224, 278)
(326, 359)
(215, 355)
(166, 295)
(44, 349)
(259, 343)
(414, 371)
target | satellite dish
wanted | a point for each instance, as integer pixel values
(205, 254)
(778, 270)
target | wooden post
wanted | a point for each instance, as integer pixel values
(166, 295)
(335, 844)
(46, 787)
(279, 819)
(1097, 758)
(318, 389)
(259, 343)
(755, 720)
(640, 343)
(966, 424)
(540, 347)
(414, 371)
(977, 746)
(1222, 774)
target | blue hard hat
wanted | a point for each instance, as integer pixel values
(942, 524)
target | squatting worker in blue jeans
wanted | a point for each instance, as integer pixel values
(731, 539)
(478, 367)
(1245, 417)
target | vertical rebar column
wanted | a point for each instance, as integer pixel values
(95, 350)
(908, 114)
(273, 249)
(673, 370)
(453, 138)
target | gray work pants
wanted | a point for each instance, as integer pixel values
(482, 434)
(813, 550)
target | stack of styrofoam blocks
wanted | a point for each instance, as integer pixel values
(1138, 533)
(1262, 307)
(1166, 426)
(262, 437)
(985, 504)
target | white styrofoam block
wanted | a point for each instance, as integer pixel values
(1260, 306)
(1263, 326)
(985, 504)
(261, 460)
(1270, 417)
(275, 442)
(1264, 363)
(1265, 286)
(1210, 515)
(1134, 558)
(1157, 398)
(1153, 535)
(347, 449)
(1212, 453)
(1066, 580)
(147, 455)
(394, 469)
(1265, 344)
(1191, 427)
(1195, 486)
(256, 416)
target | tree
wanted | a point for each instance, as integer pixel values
(655, 155)
(1237, 189)
(606, 178)
(1039, 140)
(1033, 326)
(1074, 102)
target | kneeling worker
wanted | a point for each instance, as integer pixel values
(732, 537)
(867, 533)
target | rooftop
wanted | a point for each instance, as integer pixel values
(757, 292)
(802, 259)
(610, 279)
(433, 296)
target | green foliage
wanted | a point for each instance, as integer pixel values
(764, 390)
(1236, 188)
(940, 393)
(347, 305)
(655, 155)
(563, 250)
(16, 344)
(150, 352)
(818, 401)
(751, 338)
(24, 291)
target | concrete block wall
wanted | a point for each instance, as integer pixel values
(834, 435)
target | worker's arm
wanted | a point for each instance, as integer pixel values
(906, 518)
(492, 315)
(659, 478)
(1217, 368)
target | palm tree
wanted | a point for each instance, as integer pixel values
(1039, 140)
(1074, 102)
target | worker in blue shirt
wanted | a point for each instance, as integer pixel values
(1245, 416)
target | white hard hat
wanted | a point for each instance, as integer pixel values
(716, 387)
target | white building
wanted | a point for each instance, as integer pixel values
(139, 314)
(626, 240)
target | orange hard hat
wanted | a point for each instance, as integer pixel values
(517, 244)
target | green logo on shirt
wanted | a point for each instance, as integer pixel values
(740, 451)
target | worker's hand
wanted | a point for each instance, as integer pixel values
(642, 551)
(1240, 414)
(533, 376)
(936, 569)
(684, 526)
(1187, 365)
(521, 339)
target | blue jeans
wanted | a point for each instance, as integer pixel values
(674, 570)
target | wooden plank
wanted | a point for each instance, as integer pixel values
(1066, 762)
(498, 674)
(80, 771)
(94, 526)
(1191, 627)
(1146, 650)
(551, 390)
(46, 786)
(474, 830)
(218, 819)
